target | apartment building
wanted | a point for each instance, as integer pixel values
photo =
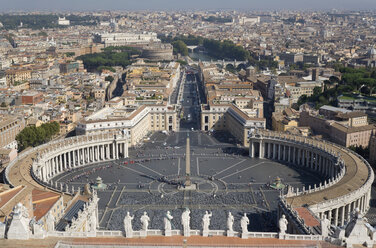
(228, 117)
(10, 126)
(136, 121)
(17, 75)
(347, 129)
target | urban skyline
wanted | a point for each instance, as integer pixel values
(187, 128)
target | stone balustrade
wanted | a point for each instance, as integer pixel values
(348, 176)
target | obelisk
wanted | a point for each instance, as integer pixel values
(188, 163)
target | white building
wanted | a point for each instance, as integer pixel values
(63, 22)
(123, 39)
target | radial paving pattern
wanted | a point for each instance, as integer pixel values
(227, 180)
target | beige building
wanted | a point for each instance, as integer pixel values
(302, 88)
(282, 122)
(346, 129)
(17, 75)
(136, 121)
(228, 117)
(9, 128)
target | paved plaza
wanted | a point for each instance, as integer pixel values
(226, 178)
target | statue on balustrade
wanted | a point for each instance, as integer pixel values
(325, 226)
(92, 222)
(185, 220)
(167, 221)
(230, 222)
(128, 225)
(244, 222)
(50, 221)
(206, 221)
(145, 221)
(282, 224)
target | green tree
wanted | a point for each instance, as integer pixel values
(109, 78)
(180, 47)
(34, 136)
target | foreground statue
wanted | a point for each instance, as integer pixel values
(185, 220)
(128, 225)
(206, 223)
(325, 226)
(282, 224)
(50, 222)
(230, 222)
(167, 223)
(244, 222)
(145, 222)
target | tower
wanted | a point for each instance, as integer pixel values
(188, 163)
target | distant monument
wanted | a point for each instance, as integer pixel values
(187, 184)
(188, 163)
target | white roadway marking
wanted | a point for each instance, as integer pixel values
(229, 167)
(178, 166)
(198, 167)
(253, 166)
(156, 172)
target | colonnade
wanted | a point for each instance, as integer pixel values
(324, 159)
(339, 215)
(79, 152)
(288, 152)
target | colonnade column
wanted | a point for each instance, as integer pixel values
(261, 155)
(251, 149)
(299, 151)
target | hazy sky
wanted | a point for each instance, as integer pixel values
(81, 5)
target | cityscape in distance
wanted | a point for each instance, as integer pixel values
(187, 124)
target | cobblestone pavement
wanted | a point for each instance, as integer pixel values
(226, 178)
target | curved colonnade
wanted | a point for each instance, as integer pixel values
(59, 156)
(348, 176)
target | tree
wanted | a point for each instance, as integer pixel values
(109, 78)
(333, 79)
(302, 99)
(34, 136)
(317, 91)
(180, 47)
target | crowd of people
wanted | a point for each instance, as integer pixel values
(86, 174)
